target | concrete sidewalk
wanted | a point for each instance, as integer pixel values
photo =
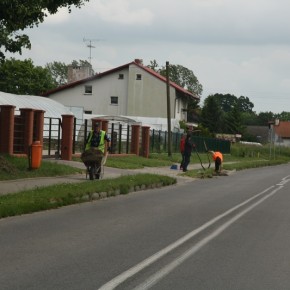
(12, 186)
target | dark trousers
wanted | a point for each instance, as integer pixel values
(186, 161)
(218, 164)
(182, 160)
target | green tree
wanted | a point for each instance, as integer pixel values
(16, 15)
(58, 71)
(23, 78)
(284, 116)
(212, 115)
(233, 121)
(265, 117)
(249, 118)
(226, 102)
(185, 78)
(245, 105)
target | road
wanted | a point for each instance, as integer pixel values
(229, 232)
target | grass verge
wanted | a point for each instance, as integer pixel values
(56, 196)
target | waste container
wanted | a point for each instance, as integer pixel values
(36, 155)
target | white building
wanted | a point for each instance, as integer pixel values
(129, 90)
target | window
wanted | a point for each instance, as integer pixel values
(114, 100)
(121, 76)
(88, 90)
(138, 77)
(88, 112)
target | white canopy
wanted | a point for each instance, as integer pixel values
(52, 108)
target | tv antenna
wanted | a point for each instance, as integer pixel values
(89, 42)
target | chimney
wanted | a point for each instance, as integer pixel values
(139, 61)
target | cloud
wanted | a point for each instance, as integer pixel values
(239, 47)
(120, 12)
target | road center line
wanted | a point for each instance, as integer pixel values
(140, 266)
(171, 266)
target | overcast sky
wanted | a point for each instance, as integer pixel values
(240, 47)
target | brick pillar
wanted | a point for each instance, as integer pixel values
(27, 115)
(39, 124)
(67, 137)
(145, 141)
(105, 125)
(135, 139)
(6, 128)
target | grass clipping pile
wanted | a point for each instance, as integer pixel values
(6, 166)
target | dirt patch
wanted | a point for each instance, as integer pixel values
(6, 166)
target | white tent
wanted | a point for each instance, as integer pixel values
(52, 108)
(153, 122)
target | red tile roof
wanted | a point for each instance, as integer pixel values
(283, 129)
(100, 75)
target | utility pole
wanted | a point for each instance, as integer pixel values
(168, 110)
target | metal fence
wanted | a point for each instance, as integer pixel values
(159, 143)
(120, 135)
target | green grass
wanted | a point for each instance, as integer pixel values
(56, 196)
(17, 167)
(241, 157)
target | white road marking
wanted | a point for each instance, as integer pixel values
(112, 284)
(170, 267)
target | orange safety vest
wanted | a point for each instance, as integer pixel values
(217, 154)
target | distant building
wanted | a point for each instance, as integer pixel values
(128, 90)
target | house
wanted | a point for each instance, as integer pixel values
(128, 90)
(281, 131)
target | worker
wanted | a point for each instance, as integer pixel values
(218, 159)
(188, 146)
(181, 148)
(96, 139)
(95, 143)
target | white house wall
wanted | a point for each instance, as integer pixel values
(99, 102)
(148, 97)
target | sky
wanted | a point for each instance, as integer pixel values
(238, 47)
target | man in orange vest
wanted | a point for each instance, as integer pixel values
(218, 160)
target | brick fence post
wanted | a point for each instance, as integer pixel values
(67, 137)
(6, 128)
(39, 125)
(135, 139)
(27, 115)
(145, 141)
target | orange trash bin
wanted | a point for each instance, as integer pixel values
(36, 154)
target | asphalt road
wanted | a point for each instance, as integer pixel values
(229, 232)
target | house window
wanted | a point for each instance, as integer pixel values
(121, 76)
(138, 77)
(88, 90)
(88, 112)
(114, 100)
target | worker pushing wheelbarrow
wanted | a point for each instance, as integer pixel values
(93, 157)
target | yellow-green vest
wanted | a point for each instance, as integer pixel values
(101, 146)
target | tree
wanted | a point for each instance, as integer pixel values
(265, 117)
(212, 115)
(23, 78)
(233, 121)
(226, 102)
(16, 15)
(284, 116)
(185, 78)
(58, 71)
(245, 105)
